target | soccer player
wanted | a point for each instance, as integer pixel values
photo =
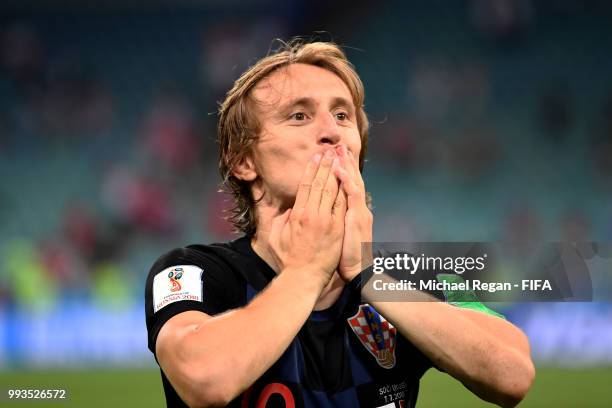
(275, 318)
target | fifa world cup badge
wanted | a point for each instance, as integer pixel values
(177, 283)
(174, 275)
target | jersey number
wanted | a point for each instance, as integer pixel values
(267, 392)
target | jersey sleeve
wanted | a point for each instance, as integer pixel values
(187, 279)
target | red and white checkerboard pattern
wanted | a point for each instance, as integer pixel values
(360, 327)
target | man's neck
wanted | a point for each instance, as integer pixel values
(259, 243)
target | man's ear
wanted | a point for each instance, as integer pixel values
(245, 169)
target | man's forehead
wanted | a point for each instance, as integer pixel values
(297, 81)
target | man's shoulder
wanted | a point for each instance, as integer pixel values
(193, 277)
(216, 257)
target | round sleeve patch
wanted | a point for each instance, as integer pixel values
(176, 283)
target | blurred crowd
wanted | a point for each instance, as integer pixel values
(107, 133)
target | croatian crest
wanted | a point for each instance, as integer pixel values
(174, 275)
(376, 334)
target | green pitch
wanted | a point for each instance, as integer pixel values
(583, 388)
(553, 387)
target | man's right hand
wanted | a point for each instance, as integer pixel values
(309, 235)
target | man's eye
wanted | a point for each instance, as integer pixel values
(341, 116)
(298, 116)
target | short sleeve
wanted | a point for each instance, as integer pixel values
(188, 279)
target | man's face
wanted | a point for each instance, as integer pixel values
(303, 110)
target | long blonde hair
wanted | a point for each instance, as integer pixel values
(239, 126)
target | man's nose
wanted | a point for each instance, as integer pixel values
(329, 131)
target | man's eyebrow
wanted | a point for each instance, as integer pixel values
(308, 102)
(343, 102)
(304, 101)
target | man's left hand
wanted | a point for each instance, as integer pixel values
(358, 221)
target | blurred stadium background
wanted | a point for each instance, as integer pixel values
(491, 120)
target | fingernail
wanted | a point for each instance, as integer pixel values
(343, 150)
(329, 154)
(317, 157)
(335, 162)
